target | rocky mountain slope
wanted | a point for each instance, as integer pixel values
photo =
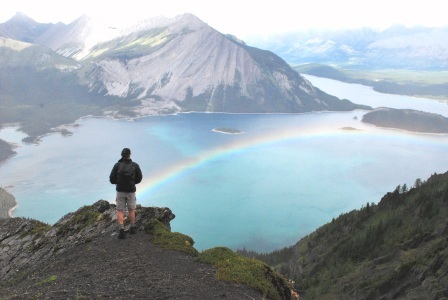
(81, 257)
(397, 47)
(396, 249)
(156, 67)
(40, 89)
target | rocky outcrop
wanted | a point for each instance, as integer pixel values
(26, 243)
(81, 257)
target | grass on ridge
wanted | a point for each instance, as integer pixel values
(237, 268)
(169, 240)
(230, 266)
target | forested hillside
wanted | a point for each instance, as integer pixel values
(5, 150)
(407, 119)
(396, 249)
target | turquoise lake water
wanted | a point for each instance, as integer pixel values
(263, 189)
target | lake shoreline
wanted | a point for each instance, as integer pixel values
(57, 129)
(304, 160)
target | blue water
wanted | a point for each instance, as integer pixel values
(264, 189)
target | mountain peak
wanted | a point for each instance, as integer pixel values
(23, 28)
(21, 17)
(180, 65)
(82, 20)
(188, 20)
(74, 39)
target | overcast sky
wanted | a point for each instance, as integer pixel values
(240, 17)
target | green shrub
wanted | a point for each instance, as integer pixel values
(236, 268)
(39, 229)
(169, 240)
(82, 218)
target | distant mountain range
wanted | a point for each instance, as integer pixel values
(155, 67)
(399, 47)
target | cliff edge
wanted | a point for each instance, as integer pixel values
(81, 257)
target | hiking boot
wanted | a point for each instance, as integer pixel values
(121, 234)
(133, 230)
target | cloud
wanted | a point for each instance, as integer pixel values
(240, 17)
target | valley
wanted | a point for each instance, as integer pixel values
(250, 148)
(164, 66)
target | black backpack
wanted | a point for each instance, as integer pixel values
(126, 173)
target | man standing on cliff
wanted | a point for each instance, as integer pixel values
(126, 174)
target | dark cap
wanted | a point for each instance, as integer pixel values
(126, 152)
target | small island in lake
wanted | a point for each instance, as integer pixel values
(407, 119)
(227, 130)
(350, 128)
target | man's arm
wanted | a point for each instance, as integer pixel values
(138, 174)
(113, 175)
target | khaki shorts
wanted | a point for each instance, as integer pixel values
(124, 200)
